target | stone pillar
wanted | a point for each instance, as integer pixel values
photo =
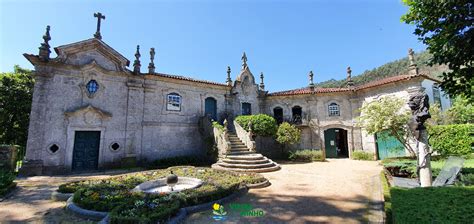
(134, 128)
(8, 157)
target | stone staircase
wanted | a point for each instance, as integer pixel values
(241, 159)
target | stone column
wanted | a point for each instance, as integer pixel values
(134, 121)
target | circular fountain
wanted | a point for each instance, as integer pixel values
(172, 183)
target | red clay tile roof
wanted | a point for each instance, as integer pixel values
(307, 90)
(189, 79)
(375, 83)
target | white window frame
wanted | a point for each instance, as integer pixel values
(334, 110)
(173, 102)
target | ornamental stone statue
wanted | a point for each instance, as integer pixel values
(419, 105)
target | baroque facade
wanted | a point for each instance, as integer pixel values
(86, 98)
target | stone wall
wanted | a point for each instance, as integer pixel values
(8, 155)
(245, 137)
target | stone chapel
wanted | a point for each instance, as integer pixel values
(92, 109)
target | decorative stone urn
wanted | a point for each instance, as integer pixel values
(171, 180)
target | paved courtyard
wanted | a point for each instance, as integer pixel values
(337, 191)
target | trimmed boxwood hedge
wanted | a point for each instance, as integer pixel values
(362, 155)
(262, 124)
(432, 205)
(6, 181)
(306, 155)
(114, 194)
(456, 139)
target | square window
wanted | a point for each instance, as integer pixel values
(174, 102)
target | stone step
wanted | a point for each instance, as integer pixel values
(258, 170)
(245, 166)
(239, 146)
(240, 153)
(239, 150)
(254, 156)
(241, 161)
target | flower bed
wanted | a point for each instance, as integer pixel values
(113, 194)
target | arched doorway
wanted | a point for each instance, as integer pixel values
(210, 108)
(335, 142)
(278, 114)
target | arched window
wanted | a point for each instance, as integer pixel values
(278, 114)
(297, 112)
(333, 110)
(173, 102)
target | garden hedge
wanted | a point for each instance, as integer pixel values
(6, 181)
(262, 124)
(456, 139)
(362, 155)
(432, 205)
(306, 155)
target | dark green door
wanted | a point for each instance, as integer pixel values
(388, 146)
(85, 155)
(330, 143)
(246, 109)
(210, 108)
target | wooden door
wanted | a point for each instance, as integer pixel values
(330, 143)
(210, 108)
(246, 109)
(388, 146)
(85, 154)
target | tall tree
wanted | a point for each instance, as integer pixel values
(16, 91)
(446, 26)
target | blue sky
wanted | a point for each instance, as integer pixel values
(285, 39)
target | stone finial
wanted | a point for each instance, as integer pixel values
(44, 50)
(229, 80)
(311, 82)
(244, 61)
(413, 69)
(99, 17)
(226, 125)
(349, 77)
(136, 63)
(151, 65)
(262, 85)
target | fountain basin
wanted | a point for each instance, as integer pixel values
(160, 186)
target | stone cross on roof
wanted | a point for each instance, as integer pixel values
(262, 85)
(99, 17)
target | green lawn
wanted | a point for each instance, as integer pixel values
(437, 164)
(453, 204)
(433, 205)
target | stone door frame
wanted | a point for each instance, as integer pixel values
(71, 132)
(350, 143)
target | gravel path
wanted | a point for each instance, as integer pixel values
(337, 191)
(31, 201)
